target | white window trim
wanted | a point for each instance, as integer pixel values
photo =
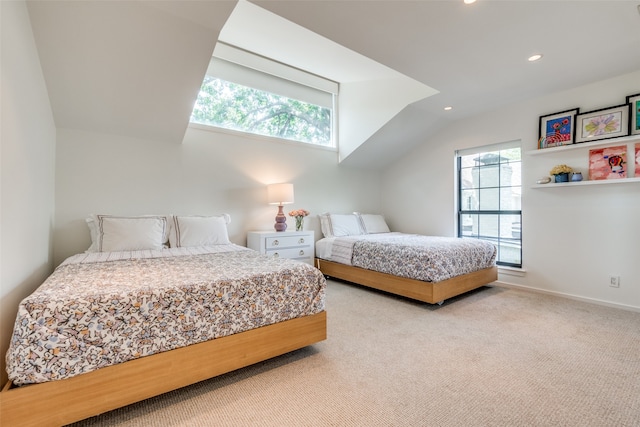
(258, 137)
(245, 68)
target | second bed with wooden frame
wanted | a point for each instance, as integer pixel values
(430, 292)
(360, 248)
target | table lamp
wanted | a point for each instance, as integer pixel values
(280, 194)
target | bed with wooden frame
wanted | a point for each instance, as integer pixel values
(430, 292)
(66, 401)
(112, 328)
(360, 248)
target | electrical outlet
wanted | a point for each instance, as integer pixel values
(614, 281)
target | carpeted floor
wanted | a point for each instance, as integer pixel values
(493, 357)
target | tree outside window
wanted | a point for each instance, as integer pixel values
(233, 106)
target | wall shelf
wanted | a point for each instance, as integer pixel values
(582, 145)
(625, 140)
(590, 182)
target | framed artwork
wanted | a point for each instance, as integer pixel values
(608, 163)
(638, 160)
(610, 122)
(634, 121)
(557, 129)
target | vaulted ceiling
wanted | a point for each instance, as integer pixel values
(128, 68)
(135, 67)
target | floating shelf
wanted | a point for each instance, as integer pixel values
(591, 182)
(627, 140)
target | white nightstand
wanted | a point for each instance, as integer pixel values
(286, 244)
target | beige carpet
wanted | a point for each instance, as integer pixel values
(494, 357)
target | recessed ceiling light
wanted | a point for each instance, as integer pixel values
(469, 1)
(535, 57)
(448, 108)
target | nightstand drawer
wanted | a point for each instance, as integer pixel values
(291, 253)
(286, 242)
(299, 245)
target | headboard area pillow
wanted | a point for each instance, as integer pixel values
(325, 225)
(339, 225)
(127, 233)
(374, 224)
(194, 230)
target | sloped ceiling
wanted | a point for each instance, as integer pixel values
(474, 55)
(371, 93)
(135, 67)
(130, 68)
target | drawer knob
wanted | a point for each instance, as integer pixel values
(301, 240)
(301, 252)
(275, 243)
(276, 255)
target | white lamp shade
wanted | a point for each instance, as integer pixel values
(280, 194)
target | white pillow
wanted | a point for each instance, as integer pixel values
(374, 224)
(338, 225)
(192, 230)
(325, 225)
(91, 221)
(120, 233)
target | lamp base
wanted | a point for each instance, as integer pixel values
(281, 220)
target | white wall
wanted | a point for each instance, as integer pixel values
(210, 172)
(573, 238)
(27, 153)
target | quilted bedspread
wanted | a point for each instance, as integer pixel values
(88, 315)
(427, 258)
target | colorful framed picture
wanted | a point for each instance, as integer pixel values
(610, 122)
(608, 163)
(557, 129)
(637, 160)
(634, 120)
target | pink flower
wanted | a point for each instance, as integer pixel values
(299, 213)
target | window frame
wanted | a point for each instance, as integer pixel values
(461, 212)
(240, 67)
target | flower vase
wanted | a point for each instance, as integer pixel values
(562, 177)
(299, 223)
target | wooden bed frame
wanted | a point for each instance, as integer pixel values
(65, 401)
(431, 292)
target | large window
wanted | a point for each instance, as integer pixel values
(245, 92)
(232, 106)
(489, 192)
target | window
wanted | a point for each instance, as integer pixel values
(233, 106)
(489, 192)
(253, 94)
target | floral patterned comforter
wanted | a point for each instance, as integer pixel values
(427, 258)
(88, 315)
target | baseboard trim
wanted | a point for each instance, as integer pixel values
(503, 284)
